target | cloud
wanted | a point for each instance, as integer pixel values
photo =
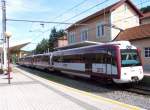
(25, 6)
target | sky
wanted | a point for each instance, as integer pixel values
(48, 10)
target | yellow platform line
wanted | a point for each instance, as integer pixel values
(99, 98)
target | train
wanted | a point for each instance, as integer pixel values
(117, 61)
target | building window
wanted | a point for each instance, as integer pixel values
(100, 30)
(84, 34)
(72, 38)
(147, 52)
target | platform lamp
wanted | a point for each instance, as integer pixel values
(8, 35)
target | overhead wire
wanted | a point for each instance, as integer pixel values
(68, 10)
(72, 17)
(36, 21)
(83, 12)
(116, 20)
(86, 10)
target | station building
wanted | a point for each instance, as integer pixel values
(61, 42)
(106, 24)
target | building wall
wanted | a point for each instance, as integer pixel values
(91, 27)
(62, 43)
(123, 17)
(142, 44)
(145, 21)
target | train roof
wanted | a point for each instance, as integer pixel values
(42, 54)
(120, 44)
(78, 45)
(37, 55)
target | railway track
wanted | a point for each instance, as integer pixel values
(139, 90)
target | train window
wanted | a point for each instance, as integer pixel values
(72, 58)
(66, 58)
(45, 58)
(60, 59)
(92, 57)
(55, 58)
(109, 59)
(98, 58)
(95, 58)
(130, 58)
(113, 61)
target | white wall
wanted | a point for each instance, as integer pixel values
(123, 17)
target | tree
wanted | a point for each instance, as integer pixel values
(46, 44)
(61, 33)
(42, 47)
(145, 9)
(54, 35)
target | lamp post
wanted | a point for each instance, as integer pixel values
(8, 35)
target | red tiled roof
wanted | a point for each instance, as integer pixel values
(135, 33)
(146, 15)
(107, 10)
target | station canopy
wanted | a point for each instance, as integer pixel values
(18, 47)
(78, 44)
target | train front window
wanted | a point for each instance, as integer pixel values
(130, 58)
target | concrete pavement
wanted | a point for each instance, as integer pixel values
(30, 92)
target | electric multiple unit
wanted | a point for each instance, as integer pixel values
(118, 61)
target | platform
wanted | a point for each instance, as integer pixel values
(30, 92)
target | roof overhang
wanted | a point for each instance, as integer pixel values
(134, 33)
(18, 47)
(77, 45)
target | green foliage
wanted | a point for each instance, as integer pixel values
(46, 44)
(54, 36)
(42, 46)
(145, 9)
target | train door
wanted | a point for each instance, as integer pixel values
(51, 62)
(88, 63)
(108, 65)
(102, 63)
(99, 65)
(111, 68)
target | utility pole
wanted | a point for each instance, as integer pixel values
(3, 34)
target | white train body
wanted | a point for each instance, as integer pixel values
(118, 61)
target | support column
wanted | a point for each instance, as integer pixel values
(3, 34)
